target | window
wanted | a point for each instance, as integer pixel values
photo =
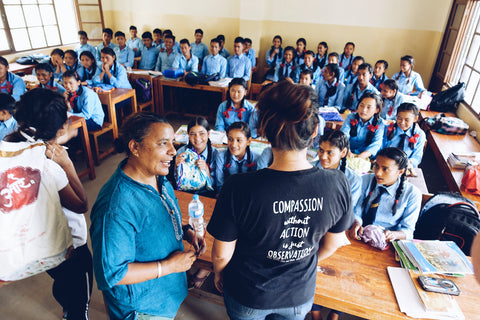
(34, 24)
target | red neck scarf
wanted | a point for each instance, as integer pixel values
(239, 111)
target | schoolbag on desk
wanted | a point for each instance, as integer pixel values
(193, 78)
(449, 217)
(446, 125)
(143, 89)
(449, 99)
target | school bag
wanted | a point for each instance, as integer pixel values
(34, 233)
(449, 99)
(449, 217)
(446, 125)
(193, 78)
(173, 73)
(189, 175)
(143, 89)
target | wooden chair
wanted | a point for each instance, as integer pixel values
(108, 126)
(143, 105)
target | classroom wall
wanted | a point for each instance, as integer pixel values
(381, 29)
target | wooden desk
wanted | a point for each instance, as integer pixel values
(80, 123)
(354, 279)
(112, 98)
(17, 67)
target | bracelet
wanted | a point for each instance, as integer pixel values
(159, 269)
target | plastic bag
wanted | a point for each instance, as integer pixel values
(190, 177)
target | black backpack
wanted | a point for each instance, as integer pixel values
(449, 217)
(449, 99)
(193, 78)
(143, 89)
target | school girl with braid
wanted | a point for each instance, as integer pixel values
(406, 135)
(388, 199)
(364, 127)
(330, 90)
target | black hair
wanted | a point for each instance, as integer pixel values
(251, 165)
(167, 31)
(94, 65)
(44, 66)
(289, 48)
(392, 84)
(147, 35)
(310, 52)
(236, 81)
(82, 33)
(376, 117)
(119, 34)
(366, 66)
(409, 59)
(74, 55)
(7, 102)
(71, 74)
(169, 36)
(108, 31)
(199, 31)
(239, 40)
(333, 67)
(279, 55)
(385, 63)
(339, 140)
(247, 40)
(333, 54)
(323, 43)
(278, 37)
(307, 71)
(221, 37)
(111, 52)
(358, 58)
(350, 43)
(132, 28)
(409, 107)
(3, 61)
(58, 51)
(201, 121)
(302, 40)
(215, 40)
(185, 41)
(136, 127)
(156, 30)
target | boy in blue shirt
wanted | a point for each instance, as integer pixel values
(333, 58)
(355, 91)
(223, 51)
(186, 61)
(8, 124)
(215, 63)
(238, 65)
(176, 45)
(149, 53)
(107, 42)
(309, 64)
(249, 52)
(199, 49)
(84, 45)
(125, 54)
(134, 42)
(167, 57)
(157, 38)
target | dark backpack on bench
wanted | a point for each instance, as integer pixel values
(449, 217)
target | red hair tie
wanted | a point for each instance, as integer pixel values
(353, 122)
(372, 128)
(414, 138)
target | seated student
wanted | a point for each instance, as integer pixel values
(223, 51)
(286, 69)
(330, 90)
(89, 68)
(309, 64)
(199, 49)
(175, 46)
(83, 101)
(388, 199)
(166, 58)
(215, 63)
(354, 91)
(157, 38)
(351, 74)
(10, 83)
(56, 61)
(236, 107)
(364, 127)
(379, 75)
(112, 72)
(274, 57)
(238, 158)
(322, 54)
(107, 43)
(44, 74)
(333, 58)
(134, 42)
(71, 61)
(125, 54)
(346, 58)
(300, 51)
(8, 124)
(406, 135)
(407, 79)
(392, 99)
(149, 52)
(186, 60)
(249, 52)
(306, 77)
(84, 45)
(238, 65)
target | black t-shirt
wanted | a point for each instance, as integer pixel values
(278, 219)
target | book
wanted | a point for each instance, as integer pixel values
(461, 161)
(402, 257)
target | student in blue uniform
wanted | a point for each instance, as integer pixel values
(166, 58)
(186, 60)
(388, 199)
(125, 54)
(8, 124)
(44, 74)
(286, 69)
(306, 77)
(89, 68)
(9, 82)
(365, 127)
(157, 38)
(107, 43)
(392, 99)
(249, 51)
(236, 107)
(309, 64)
(223, 51)
(406, 135)
(238, 65)
(379, 76)
(346, 58)
(215, 63)
(409, 81)
(354, 91)
(199, 49)
(321, 56)
(300, 51)
(149, 53)
(175, 46)
(56, 61)
(333, 58)
(134, 42)
(112, 72)
(351, 74)
(84, 45)
(330, 90)
(274, 57)
(238, 158)
(71, 61)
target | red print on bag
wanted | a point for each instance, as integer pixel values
(18, 187)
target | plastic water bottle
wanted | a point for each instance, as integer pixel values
(195, 212)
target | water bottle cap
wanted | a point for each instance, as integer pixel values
(195, 196)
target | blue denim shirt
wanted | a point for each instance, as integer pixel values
(182, 63)
(135, 43)
(239, 67)
(126, 57)
(199, 50)
(215, 64)
(358, 143)
(149, 58)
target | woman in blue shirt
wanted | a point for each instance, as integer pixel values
(139, 259)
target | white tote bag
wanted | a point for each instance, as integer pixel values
(34, 234)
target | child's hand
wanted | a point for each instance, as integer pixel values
(135, 49)
(180, 159)
(202, 164)
(356, 231)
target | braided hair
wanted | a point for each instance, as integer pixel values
(251, 165)
(111, 52)
(376, 117)
(339, 140)
(86, 76)
(201, 121)
(410, 107)
(239, 82)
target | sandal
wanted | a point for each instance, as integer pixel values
(196, 282)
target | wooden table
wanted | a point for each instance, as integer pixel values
(111, 98)
(353, 280)
(17, 67)
(80, 123)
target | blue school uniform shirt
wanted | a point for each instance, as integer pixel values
(239, 67)
(344, 62)
(126, 56)
(110, 45)
(88, 75)
(199, 50)
(8, 126)
(88, 105)
(341, 74)
(224, 53)
(314, 68)
(236, 166)
(123, 232)
(349, 77)
(165, 60)
(265, 158)
(222, 122)
(119, 78)
(135, 43)
(378, 82)
(389, 108)
(182, 63)
(408, 206)
(175, 48)
(335, 100)
(407, 84)
(414, 155)
(75, 67)
(353, 91)
(358, 143)
(215, 64)
(320, 61)
(284, 70)
(13, 85)
(251, 55)
(149, 58)
(278, 58)
(86, 47)
(204, 155)
(53, 85)
(298, 59)
(158, 45)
